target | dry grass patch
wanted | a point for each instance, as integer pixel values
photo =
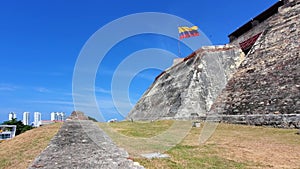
(20, 151)
(269, 147)
(231, 146)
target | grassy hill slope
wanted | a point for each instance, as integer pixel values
(20, 151)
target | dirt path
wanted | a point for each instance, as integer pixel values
(82, 144)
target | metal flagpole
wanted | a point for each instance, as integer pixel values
(179, 54)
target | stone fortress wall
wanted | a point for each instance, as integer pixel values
(190, 87)
(265, 90)
(262, 88)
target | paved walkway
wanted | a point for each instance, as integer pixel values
(74, 146)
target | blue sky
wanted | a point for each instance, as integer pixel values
(40, 42)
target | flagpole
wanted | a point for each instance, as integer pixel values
(179, 54)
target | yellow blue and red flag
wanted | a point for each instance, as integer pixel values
(186, 32)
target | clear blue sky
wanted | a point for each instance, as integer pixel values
(41, 40)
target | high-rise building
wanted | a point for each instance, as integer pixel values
(58, 116)
(63, 116)
(12, 115)
(37, 119)
(26, 118)
(53, 116)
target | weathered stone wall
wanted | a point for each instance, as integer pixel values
(77, 115)
(275, 120)
(268, 81)
(265, 90)
(82, 144)
(190, 87)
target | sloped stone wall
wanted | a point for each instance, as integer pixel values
(82, 144)
(190, 87)
(77, 115)
(268, 81)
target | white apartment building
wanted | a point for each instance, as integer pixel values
(37, 119)
(12, 115)
(53, 116)
(26, 118)
(7, 131)
(58, 116)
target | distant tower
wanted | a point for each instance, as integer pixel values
(57, 116)
(53, 116)
(12, 115)
(63, 116)
(26, 118)
(60, 116)
(37, 119)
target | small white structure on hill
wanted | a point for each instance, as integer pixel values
(7, 131)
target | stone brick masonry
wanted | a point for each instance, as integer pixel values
(82, 144)
(267, 84)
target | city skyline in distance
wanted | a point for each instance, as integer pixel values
(29, 118)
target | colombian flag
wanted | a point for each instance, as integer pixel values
(186, 32)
